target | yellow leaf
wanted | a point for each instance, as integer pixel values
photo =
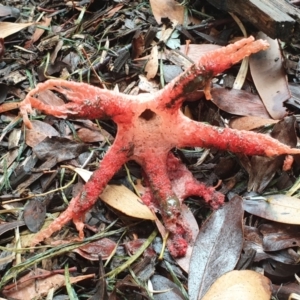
(121, 198)
(124, 200)
(7, 28)
(245, 284)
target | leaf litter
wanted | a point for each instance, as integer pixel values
(115, 23)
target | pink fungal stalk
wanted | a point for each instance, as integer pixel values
(149, 126)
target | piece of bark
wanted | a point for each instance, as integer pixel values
(276, 18)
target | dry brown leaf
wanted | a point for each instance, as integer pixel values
(152, 64)
(279, 208)
(250, 122)
(239, 102)
(49, 98)
(245, 284)
(33, 288)
(39, 31)
(167, 9)
(39, 131)
(270, 78)
(7, 28)
(138, 44)
(90, 136)
(92, 251)
(114, 10)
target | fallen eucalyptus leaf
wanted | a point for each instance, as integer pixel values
(270, 78)
(124, 200)
(7, 28)
(250, 122)
(279, 208)
(239, 102)
(245, 284)
(217, 248)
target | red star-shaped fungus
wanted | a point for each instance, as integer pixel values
(149, 126)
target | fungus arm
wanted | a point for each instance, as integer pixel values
(199, 75)
(161, 188)
(111, 163)
(239, 141)
(85, 101)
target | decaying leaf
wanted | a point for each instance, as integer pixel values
(59, 148)
(93, 251)
(262, 169)
(167, 9)
(39, 31)
(34, 215)
(217, 248)
(250, 122)
(48, 97)
(30, 288)
(278, 236)
(239, 102)
(87, 135)
(152, 64)
(138, 44)
(285, 291)
(270, 79)
(254, 242)
(279, 208)
(280, 272)
(39, 131)
(245, 284)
